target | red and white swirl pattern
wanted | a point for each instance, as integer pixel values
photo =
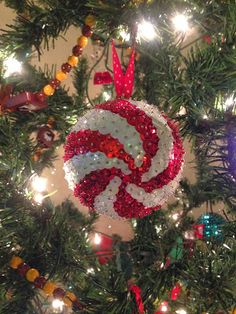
(123, 159)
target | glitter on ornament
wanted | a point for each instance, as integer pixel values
(212, 225)
(123, 159)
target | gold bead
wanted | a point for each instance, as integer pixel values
(48, 90)
(67, 302)
(49, 287)
(82, 41)
(90, 20)
(71, 296)
(15, 262)
(61, 76)
(73, 61)
(32, 274)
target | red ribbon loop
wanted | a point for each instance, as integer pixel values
(123, 82)
(137, 292)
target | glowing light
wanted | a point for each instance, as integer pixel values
(175, 216)
(124, 35)
(106, 96)
(38, 198)
(90, 271)
(180, 22)
(181, 311)
(146, 30)
(164, 307)
(11, 66)
(229, 102)
(205, 117)
(39, 184)
(97, 239)
(57, 304)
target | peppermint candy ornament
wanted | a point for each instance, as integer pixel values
(123, 158)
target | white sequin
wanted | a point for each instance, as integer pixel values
(104, 202)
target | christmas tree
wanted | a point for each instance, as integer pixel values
(181, 259)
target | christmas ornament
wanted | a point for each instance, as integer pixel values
(123, 158)
(212, 225)
(45, 136)
(25, 101)
(104, 250)
(231, 148)
(102, 78)
(48, 287)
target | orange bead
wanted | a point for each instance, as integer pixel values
(90, 20)
(15, 262)
(48, 90)
(49, 287)
(32, 274)
(73, 61)
(82, 41)
(61, 76)
(71, 296)
(67, 302)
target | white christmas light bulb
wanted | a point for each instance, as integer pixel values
(180, 22)
(181, 311)
(57, 305)
(229, 102)
(97, 239)
(146, 30)
(11, 66)
(38, 198)
(39, 184)
(124, 35)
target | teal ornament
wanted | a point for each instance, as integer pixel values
(212, 225)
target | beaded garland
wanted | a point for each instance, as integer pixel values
(48, 287)
(49, 89)
(123, 159)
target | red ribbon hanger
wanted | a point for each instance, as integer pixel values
(123, 82)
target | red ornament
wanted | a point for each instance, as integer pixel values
(25, 101)
(45, 137)
(105, 249)
(102, 78)
(124, 158)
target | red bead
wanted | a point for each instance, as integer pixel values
(77, 50)
(66, 67)
(59, 293)
(40, 282)
(87, 31)
(55, 83)
(22, 269)
(41, 96)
